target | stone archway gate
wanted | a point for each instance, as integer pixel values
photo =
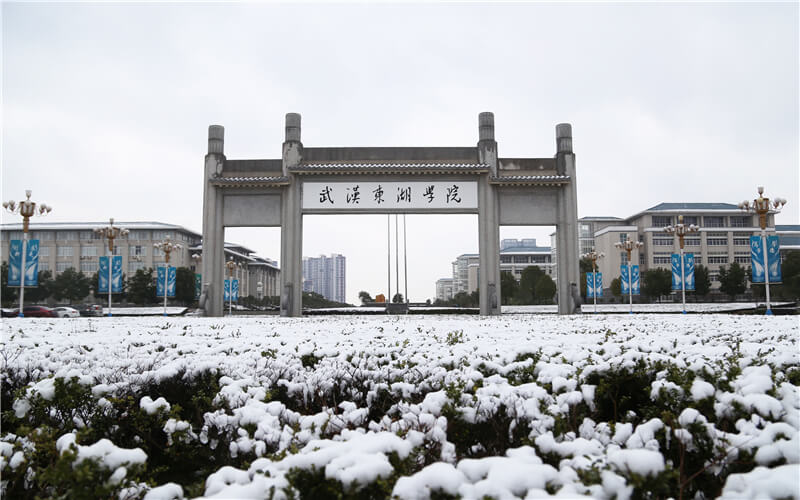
(306, 180)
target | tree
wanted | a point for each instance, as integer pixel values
(141, 288)
(702, 284)
(527, 284)
(508, 287)
(44, 290)
(71, 285)
(184, 285)
(545, 289)
(732, 281)
(365, 297)
(585, 265)
(616, 287)
(656, 282)
(8, 293)
(790, 268)
(398, 298)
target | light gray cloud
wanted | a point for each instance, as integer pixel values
(106, 106)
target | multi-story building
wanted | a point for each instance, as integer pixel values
(723, 237)
(326, 276)
(515, 255)
(444, 289)
(64, 245)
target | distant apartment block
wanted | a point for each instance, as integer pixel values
(325, 276)
(444, 289)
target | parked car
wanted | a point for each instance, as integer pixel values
(38, 312)
(8, 312)
(90, 310)
(66, 312)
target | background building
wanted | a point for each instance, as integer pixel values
(723, 237)
(75, 244)
(515, 255)
(325, 276)
(444, 289)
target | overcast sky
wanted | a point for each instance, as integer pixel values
(106, 106)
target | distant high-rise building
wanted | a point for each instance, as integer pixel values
(325, 276)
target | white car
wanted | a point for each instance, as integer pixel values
(66, 312)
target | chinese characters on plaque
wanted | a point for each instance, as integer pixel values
(413, 195)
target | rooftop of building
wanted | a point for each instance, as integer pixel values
(784, 228)
(88, 226)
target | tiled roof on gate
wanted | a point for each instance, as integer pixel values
(404, 167)
(530, 179)
(251, 181)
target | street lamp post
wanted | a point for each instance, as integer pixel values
(761, 206)
(681, 230)
(167, 247)
(26, 209)
(594, 256)
(231, 266)
(111, 233)
(629, 245)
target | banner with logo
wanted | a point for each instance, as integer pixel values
(198, 285)
(594, 285)
(31, 263)
(634, 281)
(167, 275)
(116, 275)
(773, 258)
(226, 295)
(688, 271)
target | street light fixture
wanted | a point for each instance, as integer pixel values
(594, 256)
(629, 245)
(681, 230)
(26, 209)
(761, 206)
(167, 247)
(111, 233)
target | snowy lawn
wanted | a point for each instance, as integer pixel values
(521, 406)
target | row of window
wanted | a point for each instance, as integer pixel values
(712, 259)
(708, 220)
(524, 259)
(91, 235)
(713, 241)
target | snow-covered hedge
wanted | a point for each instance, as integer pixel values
(374, 407)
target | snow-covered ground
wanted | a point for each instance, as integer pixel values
(360, 395)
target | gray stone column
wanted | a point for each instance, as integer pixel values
(488, 221)
(291, 291)
(213, 232)
(567, 227)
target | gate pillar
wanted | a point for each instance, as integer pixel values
(213, 232)
(488, 221)
(292, 223)
(567, 226)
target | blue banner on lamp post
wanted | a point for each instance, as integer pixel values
(773, 259)
(31, 263)
(594, 285)
(166, 275)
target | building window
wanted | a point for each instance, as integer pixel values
(87, 251)
(741, 259)
(691, 219)
(157, 252)
(505, 259)
(540, 259)
(662, 220)
(62, 266)
(716, 241)
(623, 237)
(139, 250)
(692, 242)
(641, 258)
(741, 241)
(663, 242)
(162, 235)
(717, 259)
(585, 231)
(44, 251)
(521, 259)
(139, 235)
(43, 266)
(65, 252)
(662, 260)
(623, 258)
(741, 220)
(88, 266)
(713, 276)
(118, 250)
(714, 221)
(67, 235)
(42, 235)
